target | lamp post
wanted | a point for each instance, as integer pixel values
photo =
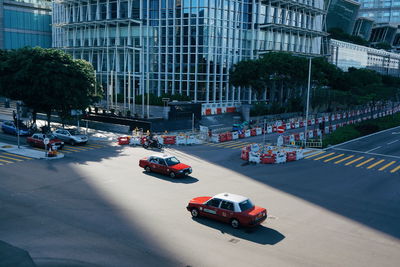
(308, 100)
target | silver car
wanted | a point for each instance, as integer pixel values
(71, 136)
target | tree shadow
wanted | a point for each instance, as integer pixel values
(260, 234)
(178, 180)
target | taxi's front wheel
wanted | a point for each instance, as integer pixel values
(195, 213)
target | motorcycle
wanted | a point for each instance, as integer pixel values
(151, 143)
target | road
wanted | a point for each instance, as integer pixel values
(98, 208)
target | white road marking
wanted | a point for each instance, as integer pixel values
(373, 149)
(376, 154)
(393, 142)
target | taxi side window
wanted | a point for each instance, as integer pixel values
(161, 162)
(214, 202)
(227, 205)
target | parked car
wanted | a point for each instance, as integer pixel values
(71, 136)
(165, 164)
(230, 208)
(11, 128)
(37, 140)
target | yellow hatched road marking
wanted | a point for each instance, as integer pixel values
(335, 157)
(71, 150)
(75, 148)
(94, 146)
(395, 169)
(376, 163)
(365, 162)
(15, 155)
(387, 165)
(3, 160)
(308, 152)
(351, 162)
(10, 158)
(237, 144)
(346, 158)
(315, 154)
(226, 144)
(324, 156)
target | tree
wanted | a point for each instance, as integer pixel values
(48, 80)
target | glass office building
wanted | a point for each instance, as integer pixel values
(25, 23)
(182, 46)
(381, 11)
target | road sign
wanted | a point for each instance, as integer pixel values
(46, 141)
(280, 129)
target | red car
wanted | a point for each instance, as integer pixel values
(36, 140)
(164, 164)
(234, 209)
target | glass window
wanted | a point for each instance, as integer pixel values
(214, 202)
(245, 205)
(227, 205)
(172, 161)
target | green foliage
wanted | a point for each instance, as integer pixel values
(48, 80)
(350, 132)
(339, 34)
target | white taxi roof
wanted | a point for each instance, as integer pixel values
(231, 197)
(163, 156)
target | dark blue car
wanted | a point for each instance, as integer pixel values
(10, 128)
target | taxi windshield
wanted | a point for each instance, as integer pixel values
(172, 161)
(245, 205)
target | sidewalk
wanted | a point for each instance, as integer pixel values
(27, 152)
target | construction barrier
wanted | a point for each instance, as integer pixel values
(235, 135)
(123, 140)
(169, 140)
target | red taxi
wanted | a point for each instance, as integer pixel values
(164, 164)
(234, 209)
(37, 140)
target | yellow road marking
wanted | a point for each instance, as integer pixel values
(362, 163)
(346, 158)
(315, 154)
(395, 169)
(324, 156)
(15, 155)
(335, 157)
(308, 152)
(94, 146)
(387, 165)
(237, 144)
(376, 163)
(3, 160)
(10, 158)
(351, 162)
(74, 147)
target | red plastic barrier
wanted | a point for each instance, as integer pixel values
(208, 111)
(297, 137)
(228, 136)
(222, 137)
(231, 109)
(301, 124)
(169, 140)
(253, 132)
(292, 126)
(268, 158)
(291, 156)
(123, 140)
(241, 135)
(245, 153)
(219, 110)
(274, 129)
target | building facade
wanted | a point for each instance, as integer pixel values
(342, 14)
(182, 46)
(25, 23)
(346, 55)
(381, 11)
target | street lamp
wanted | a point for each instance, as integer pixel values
(308, 99)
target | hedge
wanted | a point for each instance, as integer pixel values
(353, 131)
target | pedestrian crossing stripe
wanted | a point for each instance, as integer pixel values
(313, 155)
(365, 162)
(387, 165)
(376, 163)
(324, 156)
(346, 158)
(18, 156)
(335, 157)
(355, 160)
(6, 161)
(5, 157)
(395, 169)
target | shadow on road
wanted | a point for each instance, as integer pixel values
(180, 180)
(261, 235)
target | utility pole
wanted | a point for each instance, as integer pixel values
(308, 101)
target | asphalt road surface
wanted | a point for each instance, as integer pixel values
(98, 208)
